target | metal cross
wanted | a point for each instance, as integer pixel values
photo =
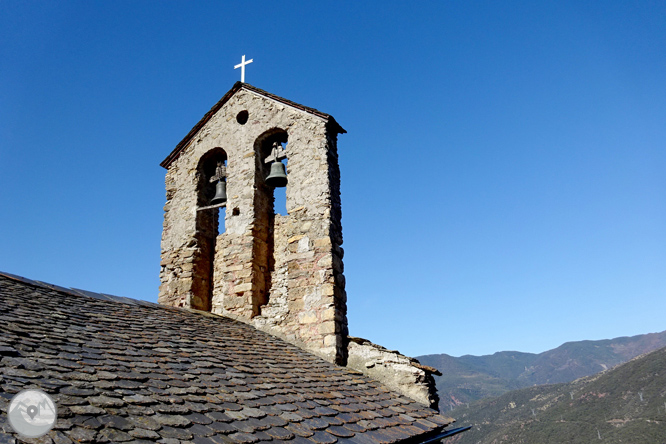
(241, 65)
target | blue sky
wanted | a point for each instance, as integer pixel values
(503, 180)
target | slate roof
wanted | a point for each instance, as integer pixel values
(130, 371)
(234, 89)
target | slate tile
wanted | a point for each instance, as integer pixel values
(143, 433)
(175, 433)
(307, 404)
(378, 437)
(201, 430)
(59, 437)
(85, 409)
(196, 407)
(341, 432)
(300, 430)
(384, 422)
(287, 407)
(413, 431)
(333, 420)
(315, 423)
(425, 423)
(366, 415)
(305, 413)
(363, 438)
(279, 433)
(352, 417)
(172, 420)
(219, 416)
(253, 413)
(300, 440)
(80, 434)
(272, 410)
(113, 435)
(369, 425)
(222, 427)
(62, 423)
(397, 409)
(325, 411)
(105, 401)
(440, 419)
(275, 421)
(259, 424)
(418, 414)
(243, 426)
(74, 391)
(146, 422)
(244, 438)
(116, 422)
(263, 436)
(199, 418)
(135, 410)
(397, 433)
(291, 417)
(323, 438)
(89, 423)
(231, 406)
(236, 416)
(400, 420)
(355, 427)
(218, 439)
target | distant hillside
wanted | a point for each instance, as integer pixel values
(470, 378)
(624, 405)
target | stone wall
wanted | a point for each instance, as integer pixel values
(399, 372)
(281, 273)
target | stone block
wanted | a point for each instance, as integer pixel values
(243, 287)
(309, 317)
(326, 261)
(327, 290)
(327, 327)
(328, 314)
(322, 243)
(295, 238)
(295, 305)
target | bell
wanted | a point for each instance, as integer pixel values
(278, 176)
(220, 193)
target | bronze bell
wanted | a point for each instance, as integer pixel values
(278, 176)
(220, 193)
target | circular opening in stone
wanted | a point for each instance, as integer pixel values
(242, 117)
(235, 211)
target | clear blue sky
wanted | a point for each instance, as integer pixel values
(503, 175)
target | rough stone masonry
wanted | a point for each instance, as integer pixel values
(282, 274)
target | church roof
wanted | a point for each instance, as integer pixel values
(234, 89)
(121, 370)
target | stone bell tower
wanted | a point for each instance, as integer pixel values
(283, 274)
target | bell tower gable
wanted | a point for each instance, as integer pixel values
(282, 273)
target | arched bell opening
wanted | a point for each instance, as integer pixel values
(270, 183)
(211, 212)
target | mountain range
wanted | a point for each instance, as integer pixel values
(469, 378)
(626, 404)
